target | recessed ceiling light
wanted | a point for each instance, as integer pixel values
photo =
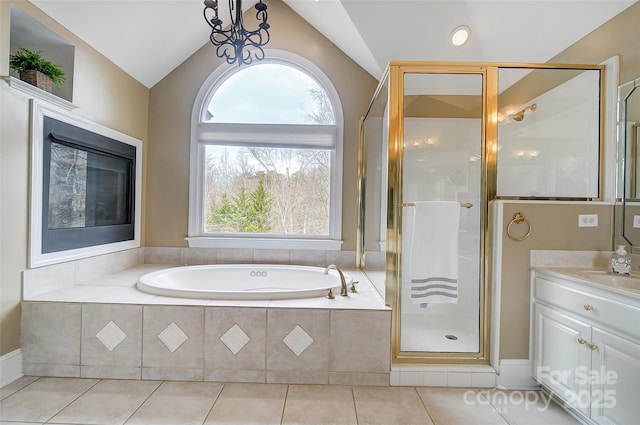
(459, 36)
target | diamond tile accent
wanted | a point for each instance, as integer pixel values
(298, 340)
(173, 337)
(111, 335)
(235, 339)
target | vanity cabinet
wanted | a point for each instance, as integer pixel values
(585, 347)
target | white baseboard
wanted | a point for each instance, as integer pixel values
(10, 367)
(515, 374)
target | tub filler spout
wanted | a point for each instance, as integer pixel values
(343, 281)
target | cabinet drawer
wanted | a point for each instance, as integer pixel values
(613, 314)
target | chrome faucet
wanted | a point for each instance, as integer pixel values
(343, 281)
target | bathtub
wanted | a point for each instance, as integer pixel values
(242, 282)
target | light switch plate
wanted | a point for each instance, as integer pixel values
(636, 221)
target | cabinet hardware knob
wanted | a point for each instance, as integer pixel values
(592, 346)
(582, 341)
(588, 307)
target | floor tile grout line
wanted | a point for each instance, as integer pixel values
(284, 404)
(424, 404)
(72, 401)
(224, 385)
(355, 408)
(143, 402)
(21, 388)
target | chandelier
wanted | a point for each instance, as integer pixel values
(231, 43)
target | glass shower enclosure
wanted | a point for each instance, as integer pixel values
(429, 138)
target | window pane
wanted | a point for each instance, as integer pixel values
(266, 190)
(270, 94)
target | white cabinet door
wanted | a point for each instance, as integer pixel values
(560, 353)
(615, 377)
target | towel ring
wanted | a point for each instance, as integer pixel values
(518, 218)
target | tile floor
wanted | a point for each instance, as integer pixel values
(91, 401)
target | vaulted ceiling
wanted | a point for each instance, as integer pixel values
(148, 39)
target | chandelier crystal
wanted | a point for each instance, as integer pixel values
(237, 44)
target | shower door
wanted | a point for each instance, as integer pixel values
(440, 149)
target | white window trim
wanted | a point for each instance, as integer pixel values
(318, 133)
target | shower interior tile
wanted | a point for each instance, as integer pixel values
(110, 401)
(390, 405)
(41, 400)
(266, 403)
(179, 403)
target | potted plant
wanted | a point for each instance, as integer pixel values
(36, 70)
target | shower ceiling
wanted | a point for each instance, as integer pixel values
(149, 39)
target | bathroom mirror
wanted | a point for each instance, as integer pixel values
(629, 136)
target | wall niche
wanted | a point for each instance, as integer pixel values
(29, 33)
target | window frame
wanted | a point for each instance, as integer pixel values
(278, 135)
(37, 256)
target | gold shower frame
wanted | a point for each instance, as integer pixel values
(395, 73)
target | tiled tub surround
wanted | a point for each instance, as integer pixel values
(106, 328)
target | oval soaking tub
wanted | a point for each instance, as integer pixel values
(242, 282)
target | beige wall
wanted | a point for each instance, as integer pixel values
(104, 94)
(619, 36)
(552, 227)
(171, 103)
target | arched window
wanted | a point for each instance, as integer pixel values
(266, 158)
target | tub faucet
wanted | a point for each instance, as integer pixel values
(343, 281)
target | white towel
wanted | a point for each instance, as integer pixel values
(433, 266)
